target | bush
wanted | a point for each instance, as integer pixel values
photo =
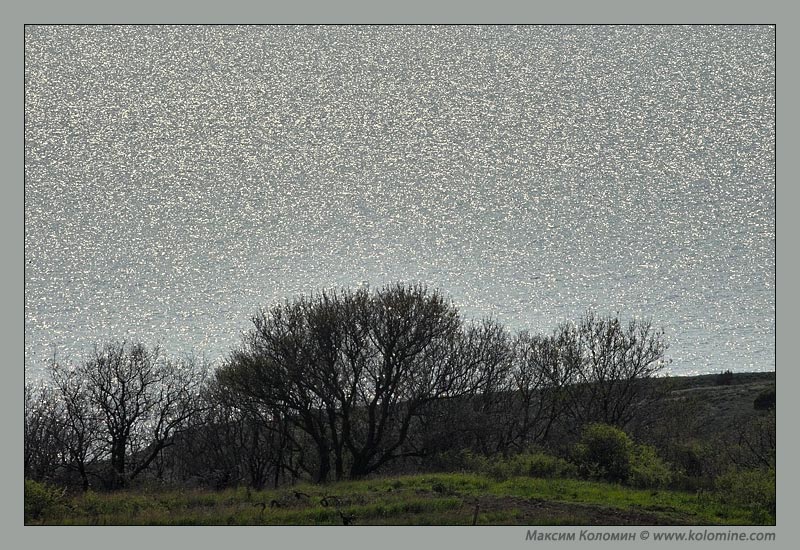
(647, 469)
(696, 464)
(41, 498)
(604, 452)
(754, 489)
(536, 464)
(543, 465)
(765, 401)
(692, 458)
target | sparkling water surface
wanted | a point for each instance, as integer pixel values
(180, 177)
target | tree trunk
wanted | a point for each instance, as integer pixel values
(118, 465)
(360, 467)
(84, 477)
(324, 462)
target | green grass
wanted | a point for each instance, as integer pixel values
(426, 499)
(700, 509)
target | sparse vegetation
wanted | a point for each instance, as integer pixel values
(41, 499)
(753, 489)
(423, 499)
(532, 464)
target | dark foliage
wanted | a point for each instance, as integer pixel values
(765, 401)
(725, 378)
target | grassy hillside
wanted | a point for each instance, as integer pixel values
(723, 399)
(429, 499)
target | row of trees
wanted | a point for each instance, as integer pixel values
(334, 385)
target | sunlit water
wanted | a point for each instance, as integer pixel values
(177, 178)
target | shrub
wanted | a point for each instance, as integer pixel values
(647, 468)
(754, 489)
(765, 400)
(41, 498)
(697, 463)
(692, 458)
(542, 465)
(533, 464)
(604, 452)
(497, 468)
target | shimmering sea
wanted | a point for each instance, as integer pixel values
(180, 177)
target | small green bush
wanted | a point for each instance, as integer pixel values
(40, 499)
(604, 452)
(754, 489)
(648, 470)
(542, 465)
(497, 468)
(533, 464)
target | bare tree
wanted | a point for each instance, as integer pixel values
(753, 444)
(519, 393)
(611, 365)
(541, 374)
(44, 426)
(413, 336)
(274, 370)
(353, 370)
(235, 440)
(80, 438)
(480, 416)
(132, 398)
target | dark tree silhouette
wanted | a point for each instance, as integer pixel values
(353, 370)
(611, 365)
(130, 401)
(45, 428)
